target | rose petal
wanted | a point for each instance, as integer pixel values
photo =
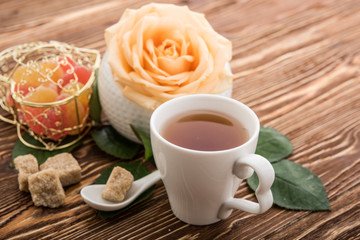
(168, 48)
(161, 28)
(151, 65)
(141, 83)
(139, 69)
(146, 101)
(117, 62)
(126, 48)
(177, 65)
(203, 58)
(151, 57)
(176, 79)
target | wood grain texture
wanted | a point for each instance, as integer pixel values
(296, 63)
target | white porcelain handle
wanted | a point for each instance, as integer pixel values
(266, 176)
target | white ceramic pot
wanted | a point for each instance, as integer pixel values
(120, 111)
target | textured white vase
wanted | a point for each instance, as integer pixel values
(120, 111)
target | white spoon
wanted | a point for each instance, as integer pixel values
(92, 193)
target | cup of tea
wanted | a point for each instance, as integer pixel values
(204, 146)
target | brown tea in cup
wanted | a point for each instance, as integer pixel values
(205, 131)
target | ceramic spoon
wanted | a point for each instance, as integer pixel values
(92, 193)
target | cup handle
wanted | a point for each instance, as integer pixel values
(243, 169)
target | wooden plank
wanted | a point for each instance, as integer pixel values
(296, 63)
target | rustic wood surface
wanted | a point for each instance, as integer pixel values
(296, 63)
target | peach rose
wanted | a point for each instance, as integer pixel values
(162, 51)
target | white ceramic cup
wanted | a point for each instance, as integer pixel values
(201, 184)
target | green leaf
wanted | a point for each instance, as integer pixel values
(95, 106)
(138, 171)
(295, 187)
(145, 139)
(273, 145)
(41, 155)
(111, 142)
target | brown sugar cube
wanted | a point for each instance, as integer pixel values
(26, 165)
(118, 184)
(45, 188)
(67, 167)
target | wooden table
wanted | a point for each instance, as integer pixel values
(296, 63)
